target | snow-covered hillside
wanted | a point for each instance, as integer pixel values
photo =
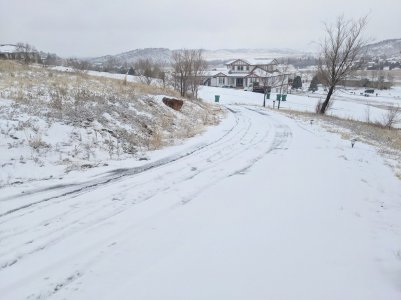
(53, 122)
(388, 48)
(130, 57)
(229, 54)
(164, 54)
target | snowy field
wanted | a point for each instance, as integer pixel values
(348, 104)
(261, 206)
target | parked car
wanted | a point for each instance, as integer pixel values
(259, 89)
(256, 88)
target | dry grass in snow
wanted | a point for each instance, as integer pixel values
(74, 120)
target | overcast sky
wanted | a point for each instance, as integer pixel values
(99, 27)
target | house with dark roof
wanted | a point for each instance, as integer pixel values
(241, 73)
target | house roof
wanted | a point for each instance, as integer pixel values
(255, 61)
(220, 74)
(237, 75)
(261, 61)
(235, 60)
(227, 74)
(213, 73)
(258, 72)
(8, 48)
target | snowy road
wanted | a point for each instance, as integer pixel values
(265, 208)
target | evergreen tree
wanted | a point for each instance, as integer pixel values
(297, 83)
(131, 71)
(313, 84)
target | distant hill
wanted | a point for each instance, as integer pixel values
(164, 54)
(130, 57)
(228, 54)
(387, 48)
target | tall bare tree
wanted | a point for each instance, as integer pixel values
(77, 64)
(339, 53)
(29, 52)
(189, 66)
(281, 81)
(199, 66)
(147, 69)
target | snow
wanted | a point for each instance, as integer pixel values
(259, 207)
(7, 48)
(253, 61)
(346, 105)
(130, 78)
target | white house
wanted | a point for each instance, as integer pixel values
(240, 73)
(19, 52)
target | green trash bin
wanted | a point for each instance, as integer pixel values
(267, 95)
(216, 98)
(283, 97)
(278, 97)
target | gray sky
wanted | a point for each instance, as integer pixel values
(94, 28)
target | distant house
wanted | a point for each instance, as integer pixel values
(15, 52)
(240, 73)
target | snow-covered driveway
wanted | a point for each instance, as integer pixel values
(263, 208)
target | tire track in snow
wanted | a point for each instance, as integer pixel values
(279, 138)
(66, 228)
(115, 175)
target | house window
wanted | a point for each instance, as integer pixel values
(240, 68)
(221, 80)
(247, 68)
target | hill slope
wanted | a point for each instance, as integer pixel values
(164, 54)
(388, 48)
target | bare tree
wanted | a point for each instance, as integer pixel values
(199, 66)
(78, 64)
(390, 79)
(392, 116)
(339, 53)
(148, 70)
(111, 64)
(162, 74)
(28, 52)
(284, 77)
(380, 80)
(182, 70)
(280, 81)
(189, 67)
